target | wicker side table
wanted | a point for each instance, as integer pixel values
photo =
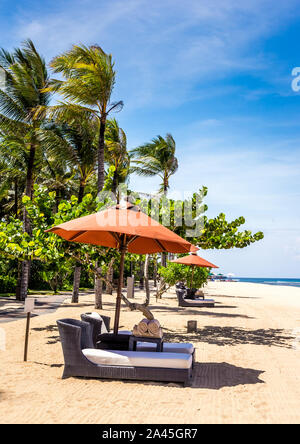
(134, 339)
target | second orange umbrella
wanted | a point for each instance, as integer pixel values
(193, 260)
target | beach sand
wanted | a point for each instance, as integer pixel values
(247, 371)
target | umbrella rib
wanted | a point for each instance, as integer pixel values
(160, 245)
(132, 239)
(75, 236)
(115, 236)
(53, 229)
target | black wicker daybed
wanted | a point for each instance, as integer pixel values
(185, 302)
(83, 360)
(102, 340)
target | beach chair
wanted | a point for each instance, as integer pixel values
(83, 360)
(102, 340)
(185, 302)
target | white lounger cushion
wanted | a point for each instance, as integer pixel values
(168, 347)
(200, 301)
(94, 315)
(138, 359)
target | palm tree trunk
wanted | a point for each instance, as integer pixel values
(141, 275)
(115, 184)
(163, 254)
(100, 184)
(163, 259)
(77, 270)
(101, 154)
(81, 191)
(76, 284)
(109, 278)
(22, 288)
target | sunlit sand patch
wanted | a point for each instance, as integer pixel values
(2, 339)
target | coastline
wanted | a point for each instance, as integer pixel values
(292, 282)
(247, 354)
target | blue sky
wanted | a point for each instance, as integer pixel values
(217, 75)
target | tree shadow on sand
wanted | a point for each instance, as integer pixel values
(232, 336)
(186, 311)
(216, 375)
(51, 328)
(49, 365)
(212, 376)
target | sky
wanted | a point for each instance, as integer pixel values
(215, 74)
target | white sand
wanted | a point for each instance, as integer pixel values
(248, 365)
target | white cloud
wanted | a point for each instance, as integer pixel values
(163, 49)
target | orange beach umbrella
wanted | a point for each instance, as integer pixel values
(194, 260)
(126, 228)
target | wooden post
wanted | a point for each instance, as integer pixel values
(27, 336)
(28, 308)
(192, 326)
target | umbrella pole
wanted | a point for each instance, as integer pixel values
(120, 286)
(193, 267)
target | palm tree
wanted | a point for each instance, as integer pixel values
(13, 160)
(25, 75)
(89, 79)
(75, 145)
(57, 177)
(156, 158)
(116, 154)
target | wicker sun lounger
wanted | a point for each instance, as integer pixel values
(105, 341)
(82, 360)
(184, 302)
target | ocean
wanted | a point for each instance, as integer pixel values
(271, 281)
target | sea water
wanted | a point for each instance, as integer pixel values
(272, 281)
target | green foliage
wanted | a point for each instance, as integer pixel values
(8, 278)
(220, 234)
(16, 244)
(57, 255)
(174, 273)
